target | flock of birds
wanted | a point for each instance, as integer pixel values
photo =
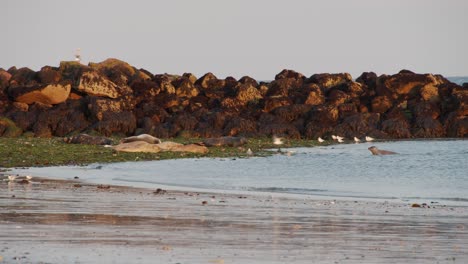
(279, 141)
(13, 178)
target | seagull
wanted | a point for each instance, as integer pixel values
(340, 139)
(249, 152)
(277, 140)
(334, 137)
(369, 139)
(357, 140)
(11, 177)
(320, 139)
(29, 178)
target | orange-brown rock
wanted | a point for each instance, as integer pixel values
(49, 94)
(327, 80)
(93, 83)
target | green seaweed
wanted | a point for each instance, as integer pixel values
(32, 152)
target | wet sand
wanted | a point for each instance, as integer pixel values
(51, 221)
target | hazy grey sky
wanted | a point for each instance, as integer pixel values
(241, 37)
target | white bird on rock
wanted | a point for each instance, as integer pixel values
(357, 140)
(340, 140)
(334, 137)
(369, 139)
(320, 139)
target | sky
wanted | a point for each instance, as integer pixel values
(257, 38)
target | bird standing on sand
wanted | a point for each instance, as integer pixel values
(368, 139)
(320, 139)
(357, 140)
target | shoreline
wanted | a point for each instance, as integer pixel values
(56, 221)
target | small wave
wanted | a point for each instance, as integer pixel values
(286, 190)
(456, 199)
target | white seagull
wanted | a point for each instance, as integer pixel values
(340, 139)
(334, 137)
(357, 140)
(369, 139)
(277, 140)
(29, 178)
(249, 152)
(320, 139)
(11, 177)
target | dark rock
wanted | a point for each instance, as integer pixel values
(248, 80)
(49, 75)
(284, 74)
(396, 128)
(238, 126)
(381, 104)
(369, 79)
(123, 123)
(358, 125)
(281, 87)
(207, 81)
(8, 128)
(273, 102)
(292, 112)
(327, 81)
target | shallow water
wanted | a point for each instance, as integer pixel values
(435, 170)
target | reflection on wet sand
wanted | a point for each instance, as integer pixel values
(59, 221)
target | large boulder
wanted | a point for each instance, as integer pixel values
(165, 82)
(456, 126)
(397, 127)
(123, 123)
(313, 94)
(284, 74)
(273, 102)
(93, 83)
(407, 82)
(358, 125)
(247, 93)
(207, 81)
(8, 128)
(119, 72)
(327, 80)
(281, 87)
(381, 104)
(186, 89)
(59, 120)
(49, 94)
(49, 74)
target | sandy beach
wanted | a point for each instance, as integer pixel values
(51, 221)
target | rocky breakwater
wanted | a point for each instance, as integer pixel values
(114, 98)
